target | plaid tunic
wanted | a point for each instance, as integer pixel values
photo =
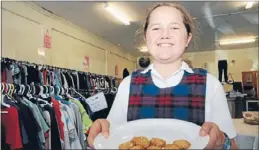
(185, 101)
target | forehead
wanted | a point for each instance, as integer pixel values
(166, 13)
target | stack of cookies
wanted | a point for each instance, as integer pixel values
(141, 142)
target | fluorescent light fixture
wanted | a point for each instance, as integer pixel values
(238, 41)
(117, 14)
(144, 49)
(249, 5)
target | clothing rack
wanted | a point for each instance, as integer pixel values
(20, 62)
(83, 82)
(59, 79)
(36, 89)
(28, 89)
(39, 99)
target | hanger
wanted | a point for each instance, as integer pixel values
(3, 95)
(25, 90)
(12, 89)
(3, 103)
(2, 88)
(66, 92)
(47, 91)
(28, 92)
(114, 90)
(58, 91)
(33, 89)
(72, 89)
(61, 90)
(6, 88)
(41, 93)
(22, 87)
(55, 90)
(51, 90)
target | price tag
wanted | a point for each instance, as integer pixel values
(97, 102)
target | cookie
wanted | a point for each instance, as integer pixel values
(183, 144)
(126, 145)
(171, 146)
(141, 141)
(158, 142)
(137, 147)
(154, 147)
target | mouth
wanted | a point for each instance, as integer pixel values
(165, 45)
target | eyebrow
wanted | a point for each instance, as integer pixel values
(173, 23)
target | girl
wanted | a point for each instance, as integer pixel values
(170, 87)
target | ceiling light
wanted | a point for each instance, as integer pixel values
(249, 5)
(238, 41)
(117, 14)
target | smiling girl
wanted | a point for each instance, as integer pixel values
(169, 88)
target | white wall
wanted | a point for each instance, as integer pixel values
(245, 60)
(21, 38)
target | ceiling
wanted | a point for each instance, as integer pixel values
(215, 20)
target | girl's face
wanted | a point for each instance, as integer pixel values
(166, 35)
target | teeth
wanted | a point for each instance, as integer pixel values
(164, 45)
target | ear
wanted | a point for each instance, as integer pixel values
(144, 37)
(189, 38)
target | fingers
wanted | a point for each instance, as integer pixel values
(100, 125)
(220, 140)
(94, 131)
(205, 128)
(105, 126)
(213, 134)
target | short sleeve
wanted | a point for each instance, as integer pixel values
(219, 112)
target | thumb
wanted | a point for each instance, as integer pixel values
(203, 132)
(98, 126)
(105, 125)
(205, 128)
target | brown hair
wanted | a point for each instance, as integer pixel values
(187, 18)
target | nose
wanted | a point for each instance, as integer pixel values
(165, 34)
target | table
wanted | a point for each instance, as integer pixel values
(245, 129)
(247, 135)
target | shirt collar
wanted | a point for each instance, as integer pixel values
(184, 67)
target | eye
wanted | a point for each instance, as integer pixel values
(155, 29)
(174, 28)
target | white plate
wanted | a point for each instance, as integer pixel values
(167, 129)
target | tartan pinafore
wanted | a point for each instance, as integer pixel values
(185, 101)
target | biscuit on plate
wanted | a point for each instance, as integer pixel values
(171, 146)
(158, 142)
(126, 145)
(154, 147)
(141, 141)
(183, 144)
(137, 147)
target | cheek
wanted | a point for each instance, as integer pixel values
(150, 38)
(151, 41)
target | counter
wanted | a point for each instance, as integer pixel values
(245, 129)
(247, 137)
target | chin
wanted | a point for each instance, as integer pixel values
(165, 57)
(165, 61)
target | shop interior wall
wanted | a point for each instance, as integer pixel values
(246, 59)
(22, 24)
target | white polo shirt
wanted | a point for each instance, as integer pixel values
(216, 107)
